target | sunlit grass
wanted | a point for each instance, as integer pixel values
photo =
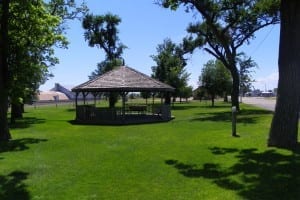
(190, 157)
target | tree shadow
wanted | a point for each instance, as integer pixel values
(71, 109)
(255, 175)
(12, 186)
(19, 144)
(250, 116)
(26, 122)
(183, 107)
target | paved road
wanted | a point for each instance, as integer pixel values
(262, 102)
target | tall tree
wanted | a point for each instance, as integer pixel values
(4, 130)
(225, 26)
(32, 35)
(169, 67)
(29, 31)
(101, 31)
(215, 79)
(284, 127)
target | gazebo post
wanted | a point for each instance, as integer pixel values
(76, 104)
(95, 94)
(83, 94)
(153, 94)
(123, 94)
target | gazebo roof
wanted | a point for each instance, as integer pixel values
(123, 79)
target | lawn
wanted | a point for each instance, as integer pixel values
(190, 157)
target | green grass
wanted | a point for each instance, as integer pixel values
(190, 157)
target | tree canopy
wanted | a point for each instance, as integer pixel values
(246, 65)
(225, 26)
(170, 63)
(33, 29)
(215, 79)
(101, 31)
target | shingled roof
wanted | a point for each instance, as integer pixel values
(123, 79)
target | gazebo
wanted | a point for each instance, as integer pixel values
(122, 80)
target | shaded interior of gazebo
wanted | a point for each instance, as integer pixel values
(122, 80)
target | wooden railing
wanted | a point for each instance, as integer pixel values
(92, 114)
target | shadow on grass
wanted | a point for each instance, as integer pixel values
(26, 122)
(183, 107)
(19, 144)
(12, 186)
(244, 116)
(71, 110)
(255, 175)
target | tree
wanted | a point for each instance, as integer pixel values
(169, 67)
(4, 87)
(215, 79)
(101, 31)
(186, 92)
(29, 32)
(245, 65)
(105, 66)
(284, 127)
(226, 26)
(32, 35)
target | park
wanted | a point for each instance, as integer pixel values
(193, 156)
(134, 115)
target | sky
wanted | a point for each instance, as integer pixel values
(144, 26)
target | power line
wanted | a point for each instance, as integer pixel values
(263, 40)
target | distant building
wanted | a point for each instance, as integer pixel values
(254, 93)
(52, 96)
(65, 90)
(60, 93)
(267, 94)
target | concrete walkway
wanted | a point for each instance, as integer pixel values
(262, 102)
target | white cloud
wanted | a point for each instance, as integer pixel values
(267, 83)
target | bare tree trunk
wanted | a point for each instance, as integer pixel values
(4, 130)
(16, 112)
(235, 89)
(284, 127)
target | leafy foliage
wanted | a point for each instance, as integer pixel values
(105, 66)
(226, 25)
(101, 31)
(215, 79)
(31, 40)
(170, 65)
(245, 69)
(35, 28)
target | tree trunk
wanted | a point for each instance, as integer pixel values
(4, 130)
(16, 112)
(235, 88)
(113, 98)
(168, 99)
(284, 127)
(225, 97)
(212, 100)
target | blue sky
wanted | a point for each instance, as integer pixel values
(145, 25)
